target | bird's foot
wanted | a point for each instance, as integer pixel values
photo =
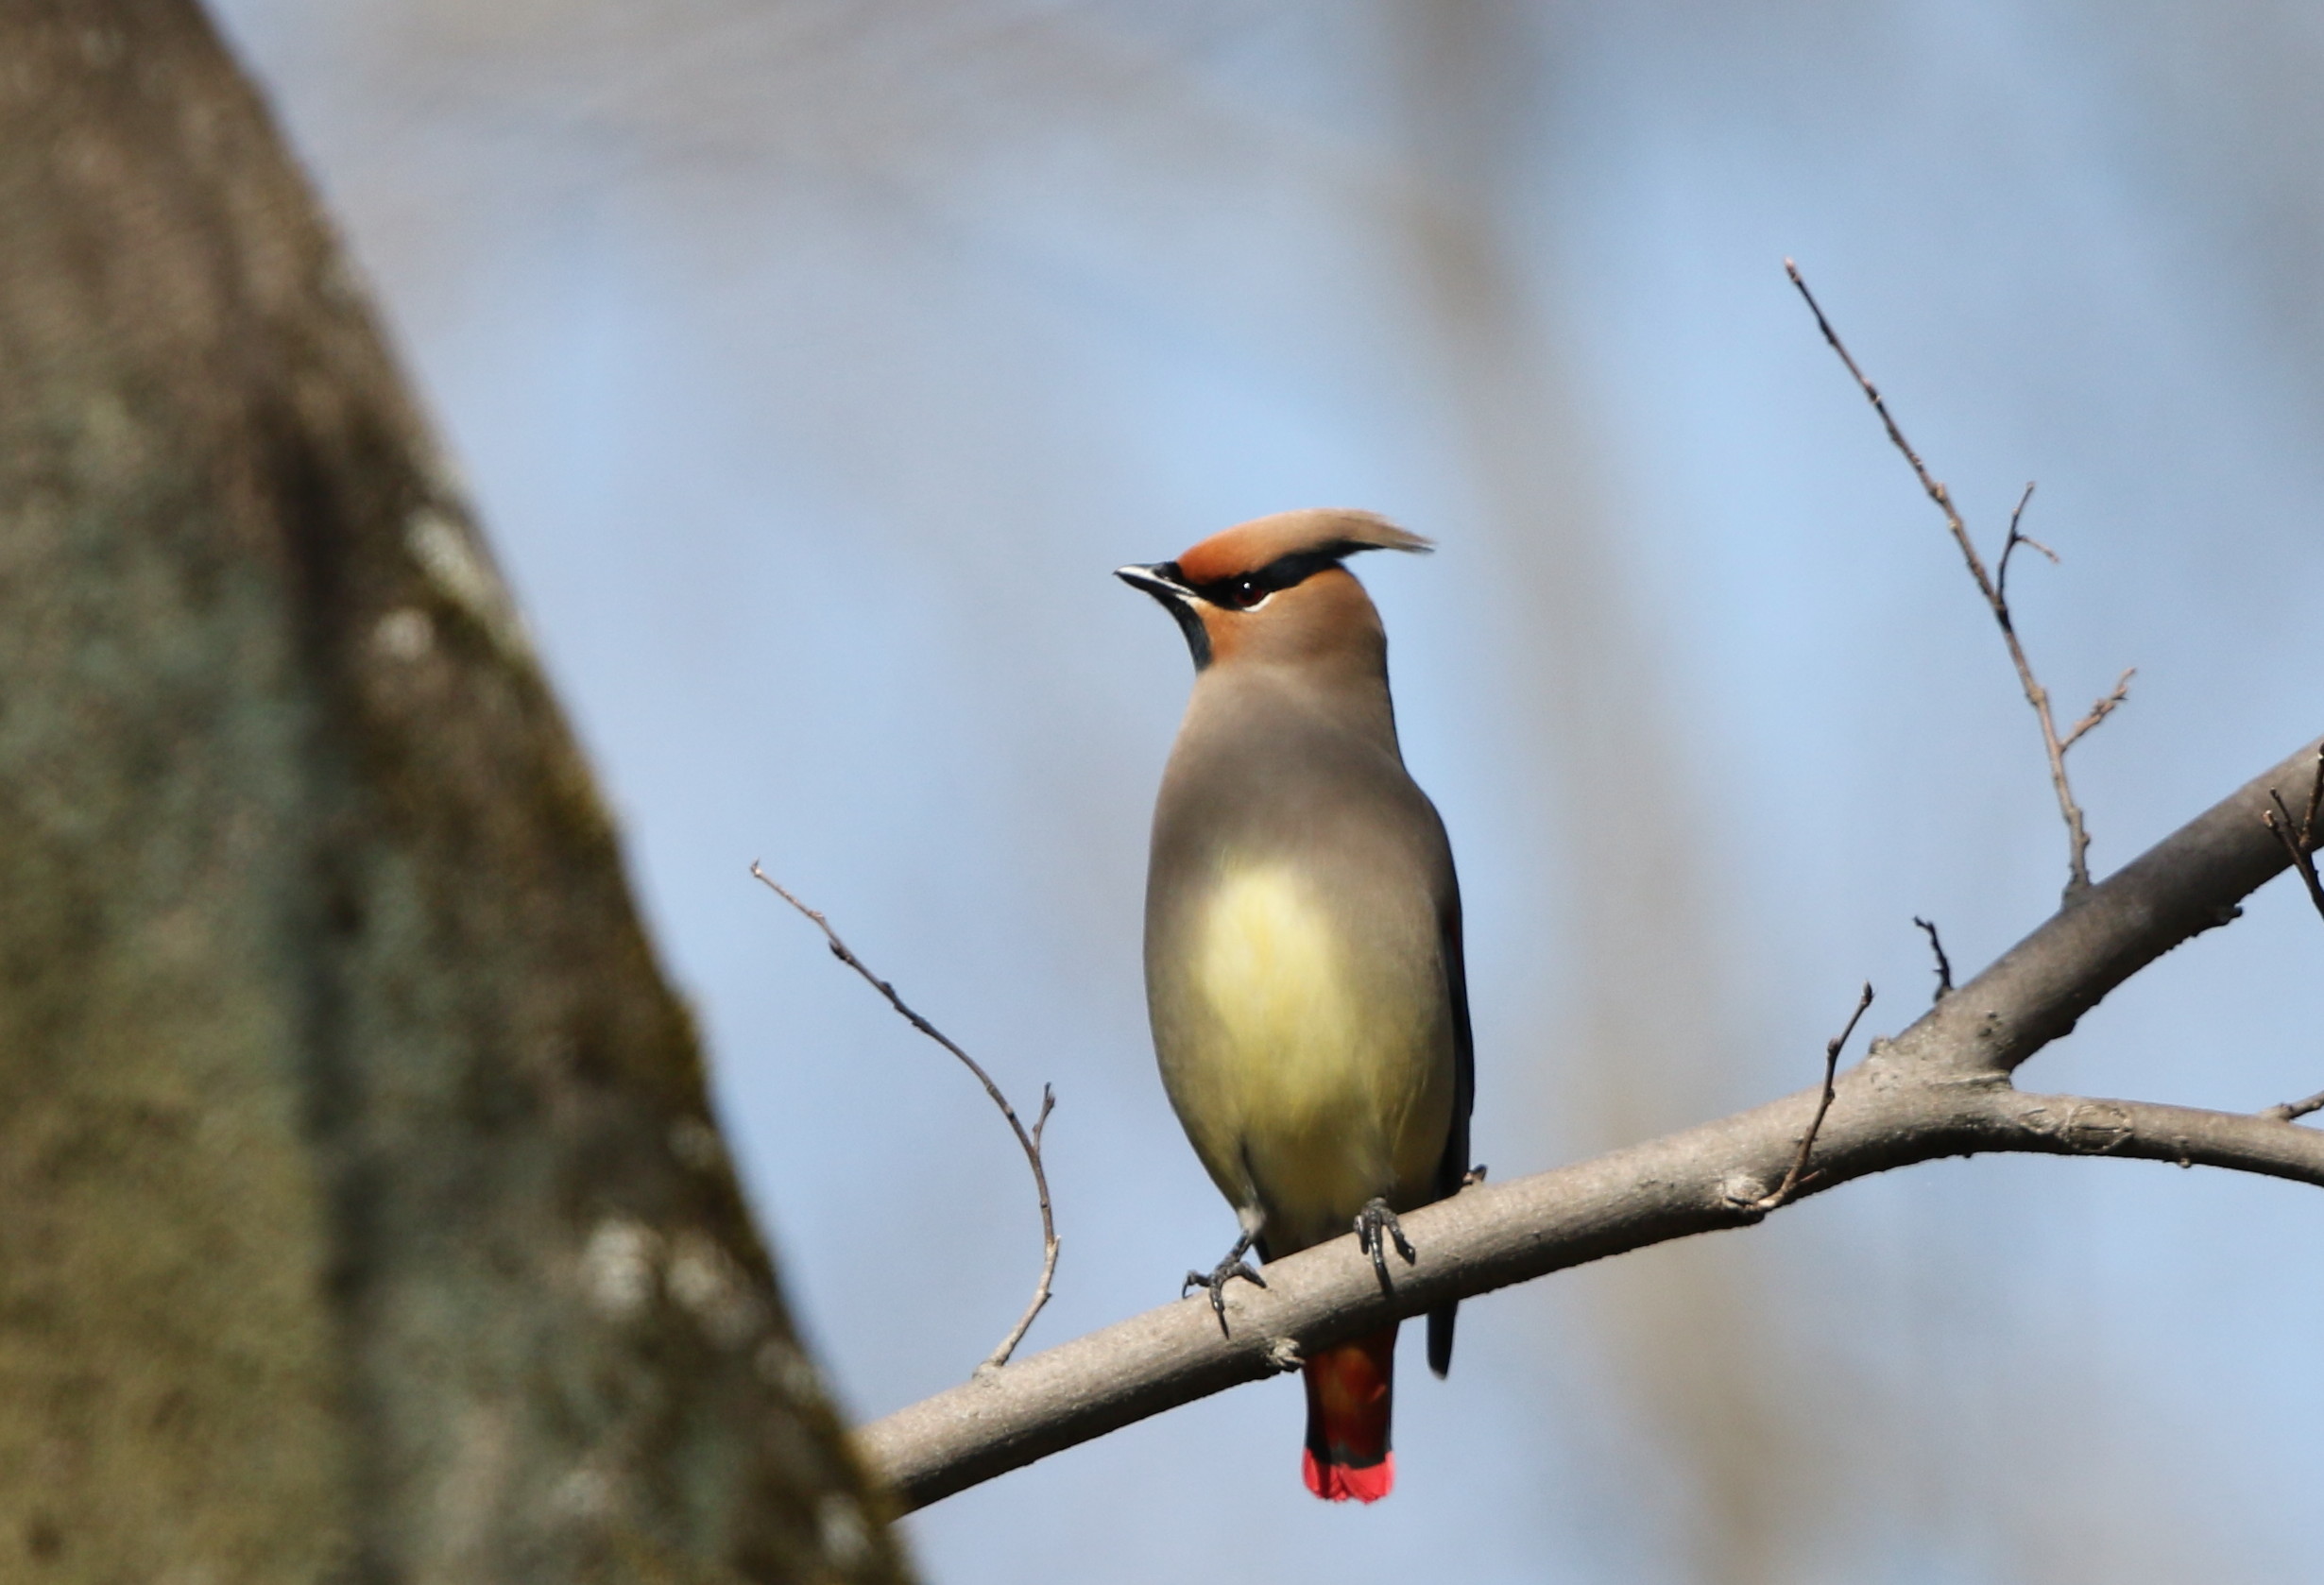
(1220, 1275)
(1374, 1220)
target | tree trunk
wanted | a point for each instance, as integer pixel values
(361, 1213)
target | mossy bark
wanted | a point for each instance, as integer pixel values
(361, 1215)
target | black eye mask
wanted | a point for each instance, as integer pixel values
(1246, 589)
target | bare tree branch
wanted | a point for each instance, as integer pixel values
(2106, 705)
(2291, 1109)
(2299, 838)
(1944, 964)
(1940, 1088)
(1028, 1138)
(2015, 537)
(2309, 831)
(1793, 1179)
(2300, 843)
(1995, 590)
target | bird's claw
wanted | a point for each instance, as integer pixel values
(1225, 1271)
(1370, 1222)
(1216, 1279)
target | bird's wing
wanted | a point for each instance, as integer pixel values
(1454, 1168)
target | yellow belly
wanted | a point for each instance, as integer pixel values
(1312, 1077)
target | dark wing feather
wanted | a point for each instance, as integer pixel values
(1454, 1167)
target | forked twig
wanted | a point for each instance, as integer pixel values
(1028, 1138)
(1797, 1178)
(1995, 590)
(1944, 964)
(2017, 537)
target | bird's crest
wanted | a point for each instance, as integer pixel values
(1326, 533)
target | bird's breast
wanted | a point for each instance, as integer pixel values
(1271, 967)
(1307, 1051)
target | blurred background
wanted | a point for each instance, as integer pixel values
(812, 363)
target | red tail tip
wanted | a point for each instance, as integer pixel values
(1337, 1483)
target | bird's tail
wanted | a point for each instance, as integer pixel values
(1348, 1393)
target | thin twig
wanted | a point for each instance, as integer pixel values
(2300, 840)
(1030, 1139)
(2015, 538)
(1794, 1179)
(1944, 964)
(2100, 710)
(1995, 590)
(2299, 846)
(2291, 1109)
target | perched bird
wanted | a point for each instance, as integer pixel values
(1303, 940)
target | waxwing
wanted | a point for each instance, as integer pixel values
(1303, 940)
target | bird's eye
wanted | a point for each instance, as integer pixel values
(1245, 592)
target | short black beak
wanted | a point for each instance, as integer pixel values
(1156, 581)
(1161, 581)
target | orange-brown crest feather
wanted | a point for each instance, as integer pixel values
(1247, 547)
